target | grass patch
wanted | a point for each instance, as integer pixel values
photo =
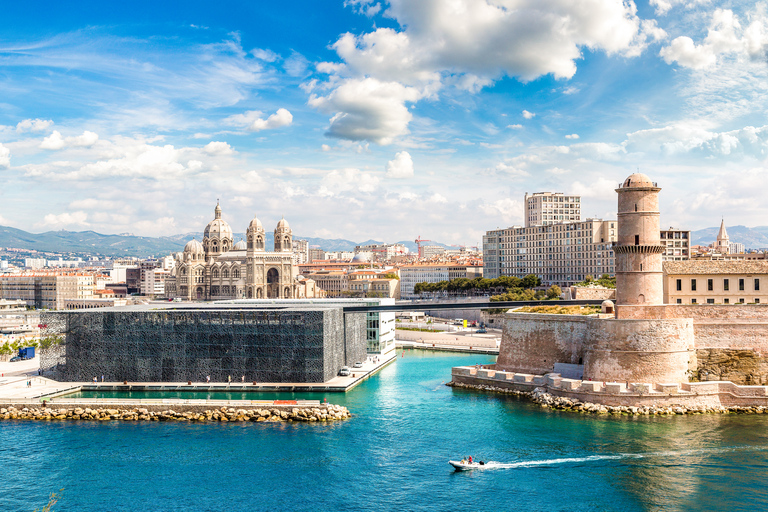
(560, 310)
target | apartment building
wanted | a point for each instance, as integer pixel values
(300, 252)
(677, 242)
(434, 273)
(715, 282)
(47, 290)
(561, 254)
(546, 208)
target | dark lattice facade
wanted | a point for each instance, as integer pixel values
(306, 345)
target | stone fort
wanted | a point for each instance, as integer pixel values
(644, 347)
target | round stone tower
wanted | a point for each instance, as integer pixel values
(638, 251)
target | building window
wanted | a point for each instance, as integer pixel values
(726, 301)
(637, 239)
(741, 301)
(757, 285)
(757, 301)
(741, 285)
(710, 285)
(693, 285)
(726, 285)
(679, 301)
(679, 285)
(710, 301)
(693, 301)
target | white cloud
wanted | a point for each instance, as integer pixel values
(367, 110)
(401, 167)
(345, 180)
(97, 204)
(5, 157)
(76, 219)
(515, 126)
(253, 121)
(218, 148)
(55, 140)
(683, 51)
(572, 136)
(528, 115)
(265, 55)
(602, 188)
(87, 139)
(524, 38)
(34, 125)
(725, 37)
(664, 6)
(509, 210)
(325, 147)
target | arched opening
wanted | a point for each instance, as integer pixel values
(250, 292)
(259, 293)
(273, 284)
(287, 294)
(199, 293)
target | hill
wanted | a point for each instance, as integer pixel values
(752, 238)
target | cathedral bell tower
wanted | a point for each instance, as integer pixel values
(638, 251)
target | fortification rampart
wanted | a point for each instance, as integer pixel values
(695, 395)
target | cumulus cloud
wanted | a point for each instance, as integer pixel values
(5, 157)
(76, 219)
(401, 167)
(367, 110)
(265, 55)
(53, 141)
(345, 180)
(253, 120)
(56, 141)
(33, 125)
(528, 115)
(572, 136)
(467, 44)
(726, 37)
(218, 148)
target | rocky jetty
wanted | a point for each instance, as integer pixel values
(225, 414)
(549, 401)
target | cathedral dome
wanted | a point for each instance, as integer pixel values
(639, 180)
(283, 224)
(240, 246)
(194, 247)
(256, 225)
(218, 227)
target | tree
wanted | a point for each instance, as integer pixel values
(554, 292)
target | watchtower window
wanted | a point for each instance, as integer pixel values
(637, 239)
(635, 206)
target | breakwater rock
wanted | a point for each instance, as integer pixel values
(323, 413)
(547, 400)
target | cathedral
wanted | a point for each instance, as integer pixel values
(217, 268)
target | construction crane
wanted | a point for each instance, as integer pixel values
(418, 243)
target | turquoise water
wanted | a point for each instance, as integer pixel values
(393, 456)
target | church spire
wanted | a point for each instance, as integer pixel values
(723, 234)
(217, 211)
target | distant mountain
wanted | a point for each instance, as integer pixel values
(90, 242)
(752, 238)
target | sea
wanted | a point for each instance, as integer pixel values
(393, 455)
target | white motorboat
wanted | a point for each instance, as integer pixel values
(461, 465)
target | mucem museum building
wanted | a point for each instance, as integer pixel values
(190, 343)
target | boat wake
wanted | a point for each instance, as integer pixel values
(619, 456)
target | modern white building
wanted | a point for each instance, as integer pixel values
(545, 208)
(434, 273)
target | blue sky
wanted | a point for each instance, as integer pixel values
(369, 119)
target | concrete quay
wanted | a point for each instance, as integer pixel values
(634, 397)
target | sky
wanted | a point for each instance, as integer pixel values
(370, 119)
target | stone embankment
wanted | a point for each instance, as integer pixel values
(546, 400)
(328, 412)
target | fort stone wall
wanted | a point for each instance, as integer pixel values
(533, 343)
